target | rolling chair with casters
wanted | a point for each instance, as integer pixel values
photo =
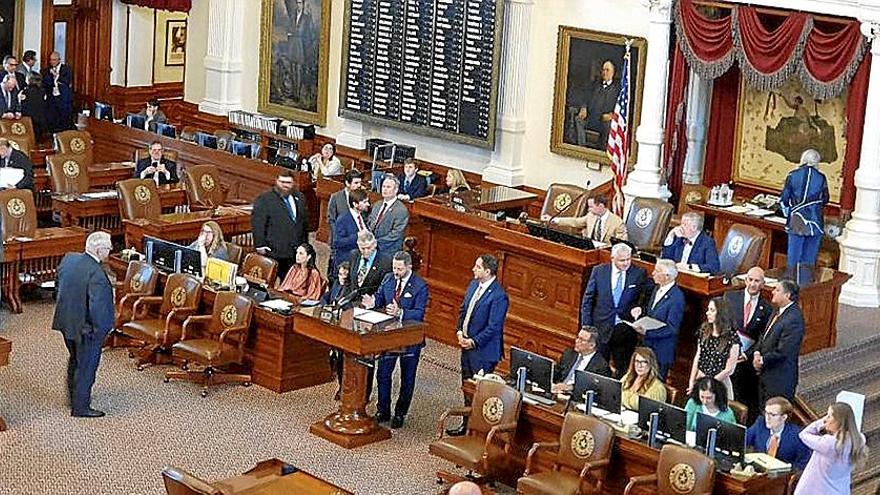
(560, 200)
(680, 471)
(260, 269)
(140, 280)
(69, 173)
(76, 142)
(690, 194)
(138, 199)
(204, 191)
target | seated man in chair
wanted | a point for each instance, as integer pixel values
(599, 224)
(157, 167)
(689, 247)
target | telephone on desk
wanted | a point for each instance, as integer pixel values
(765, 201)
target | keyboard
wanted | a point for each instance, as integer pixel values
(535, 399)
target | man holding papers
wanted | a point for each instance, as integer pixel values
(689, 247)
(16, 169)
(666, 306)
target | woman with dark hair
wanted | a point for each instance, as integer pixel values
(642, 379)
(336, 292)
(718, 348)
(709, 396)
(33, 105)
(325, 163)
(837, 447)
(304, 280)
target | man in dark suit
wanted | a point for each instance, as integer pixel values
(389, 217)
(153, 115)
(773, 435)
(404, 295)
(584, 356)
(751, 313)
(58, 83)
(412, 185)
(10, 66)
(689, 247)
(13, 158)
(84, 314)
(481, 324)
(279, 220)
(10, 105)
(157, 167)
(613, 290)
(338, 205)
(775, 356)
(368, 266)
(666, 304)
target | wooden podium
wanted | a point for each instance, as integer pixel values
(350, 426)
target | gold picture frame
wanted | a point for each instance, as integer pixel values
(580, 54)
(294, 56)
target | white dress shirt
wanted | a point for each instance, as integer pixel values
(581, 366)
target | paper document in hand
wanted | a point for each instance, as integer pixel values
(646, 322)
(370, 316)
(10, 176)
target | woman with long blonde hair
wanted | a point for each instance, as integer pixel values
(456, 182)
(642, 379)
(210, 242)
(838, 446)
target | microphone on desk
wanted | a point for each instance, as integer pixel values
(348, 298)
(578, 198)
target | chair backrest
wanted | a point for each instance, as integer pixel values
(494, 403)
(188, 133)
(202, 184)
(179, 482)
(671, 394)
(647, 222)
(79, 142)
(19, 214)
(69, 173)
(20, 128)
(742, 248)
(181, 291)
(740, 411)
(682, 471)
(145, 153)
(20, 143)
(259, 268)
(560, 197)
(138, 198)
(234, 253)
(140, 278)
(582, 439)
(224, 139)
(691, 194)
(231, 310)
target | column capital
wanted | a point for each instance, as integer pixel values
(662, 9)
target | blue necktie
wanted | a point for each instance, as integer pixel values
(617, 291)
(289, 209)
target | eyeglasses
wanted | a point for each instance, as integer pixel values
(772, 415)
(641, 362)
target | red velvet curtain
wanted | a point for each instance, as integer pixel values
(710, 40)
(722, 129)
(770, 56)
(828, 56)
(172, 5)
(855, 123)
(675, 139)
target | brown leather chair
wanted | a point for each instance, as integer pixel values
(740, 411)
(138, 199)
(221, 342)
(162, 330)
(179, 482)
(20, 128)
(486, 446)
(69, 173)
(647, 223)
(671, 394)
(562, 197)
(18, 212)
(259, 268)
(19, 143)
(680, 471)
(77, 142)
(188, 133)
(741, 249)
(584, 447)
(140, 280)
(166, 154)
(234, 253)
(690, 194)
(224, 139)
(204, 191)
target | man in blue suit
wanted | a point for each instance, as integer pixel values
(613, 290)
(403, 294)
(804, 196)
(775, 355)
(689, 247)
(773, 435)
(481, 324)
(412, 185)
(665, 304)
(84, 314)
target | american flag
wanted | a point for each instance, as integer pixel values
(618, 144)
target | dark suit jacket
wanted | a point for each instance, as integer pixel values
(597, 304)
(344, 237)
(703, 253)
(17, 159)
(486, 326)
(597, 365)
(143, 163)
(418, 187)
(20, 79)
(272, 226)
(63, 102)
(760, 315)
(84, 297)
(669, 309)
(413, 298)
(381, 266)
(780, 347)
(15, 105)
(791, 449)
(337, 205)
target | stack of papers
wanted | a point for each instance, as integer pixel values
(277, 304)
(737, 209)
(10, 176)
(760, 212)
(371, 316)
(767, 463)
(646, 322)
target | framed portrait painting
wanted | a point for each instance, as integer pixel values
(175, 42)
(294, 45)
(588, 70)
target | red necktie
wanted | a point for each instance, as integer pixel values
(381, 214)
(360, 221)
(747, 312)
(398, 291)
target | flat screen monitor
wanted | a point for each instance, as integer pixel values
(671, 420)
(206, 140)
(730, 438)
(166, 130)
(191, 261)
(103, 111)
(163, 255)
(539, 370)
(241, 149)
(220, 272)
(136, 121)
(606, 391)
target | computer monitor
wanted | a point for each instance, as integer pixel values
(135, 120)
(206, 140)
(103, 111)
(606, 391)
(220, 272)
(730, 438)
(240, 148)
(166, 130)
(539, 370)
(190, 261)
(671, 420)
(163, 255)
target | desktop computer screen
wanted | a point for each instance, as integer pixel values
(671, 420)
(136, 121)
(730, 438)
(539, 369)
(606, 391)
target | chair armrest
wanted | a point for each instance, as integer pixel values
(593, 466)
(236, 329)
(144, 302)
(193, 320)
(534, 450)
(127, 297)
(455, 411)
(497, 429)
(644, 479)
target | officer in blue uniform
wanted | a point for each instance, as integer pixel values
(803, 198)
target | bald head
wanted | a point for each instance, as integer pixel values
(754, 280)
(465, 488)
(607, 71)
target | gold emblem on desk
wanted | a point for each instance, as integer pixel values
(207, 182)
(682, 478)
(736, 245)
(71, 169)
(644, 217)
(142, 194)
(583, 444)
(562, 202)
(178, 297)
(77, 145)
(493, 410)
(18, 129)
(229, 316)
(16, 207)
(136, 285)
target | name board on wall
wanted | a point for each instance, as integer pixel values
(427, 66)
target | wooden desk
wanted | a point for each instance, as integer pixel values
(101, 176)
(300, 483)
(719, 221)
(5, 350)
(103, 214)
(629, 457)
(184, 227)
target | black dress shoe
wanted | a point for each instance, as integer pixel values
(88, 413)
(397, 422)
(382, 417)
(456, 432)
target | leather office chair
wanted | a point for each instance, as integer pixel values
(741, 249)
(647, 223)
(204, 191)
(179, 482)
(78, 142)
(562, 197)
(18, 212)
(140, 280)
(740, 411)
(179, 301)
(690, 194)
(221, 342)
(138, 199)
(224, 139)
(20, 128)
(260, 269)
(584, 447)
(234, 252)
(69, 173)
(680, 471)
(166, 154)
(485, 447)
(188, 133)
(671, 394)
(20, 143)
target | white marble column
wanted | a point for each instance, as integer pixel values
(860, 242)
(645, 180)
(223, 61)
(506, 165)
(697, 122)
